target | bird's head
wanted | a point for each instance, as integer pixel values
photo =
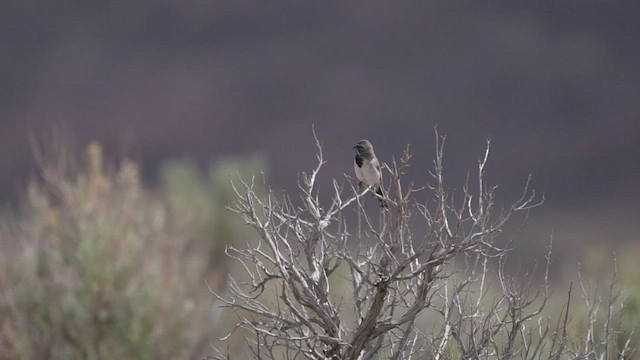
(363, 147)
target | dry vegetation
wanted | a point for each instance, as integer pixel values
(95, 265)
(424, 280)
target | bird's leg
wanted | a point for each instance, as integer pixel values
(381, 197)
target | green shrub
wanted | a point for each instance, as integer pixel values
(101, 268)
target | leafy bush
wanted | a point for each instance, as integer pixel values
(98, 267)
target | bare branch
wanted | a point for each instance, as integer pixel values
(384, 277)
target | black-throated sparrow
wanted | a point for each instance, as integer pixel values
(367, 167)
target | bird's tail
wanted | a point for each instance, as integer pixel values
(380, 193)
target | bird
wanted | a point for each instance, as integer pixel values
(367, 168)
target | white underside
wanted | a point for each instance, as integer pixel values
(368, 174)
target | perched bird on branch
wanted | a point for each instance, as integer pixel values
(368, 171)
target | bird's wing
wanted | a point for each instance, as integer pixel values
(376, 163)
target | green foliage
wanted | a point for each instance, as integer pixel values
(197, 204)
(106, 269)
(630, 283)
(616, 276)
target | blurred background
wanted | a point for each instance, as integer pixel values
(189, 89)
(555, 86)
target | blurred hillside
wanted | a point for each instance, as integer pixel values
(555, 85)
